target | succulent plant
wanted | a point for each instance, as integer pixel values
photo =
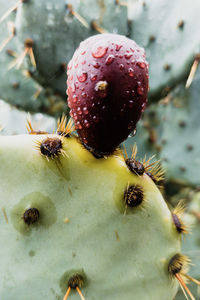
(171, 129)
(16, 86)
(164, 29)
(102, 245)
(64, 26)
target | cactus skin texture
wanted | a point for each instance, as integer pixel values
(164, 29)
(79, 224)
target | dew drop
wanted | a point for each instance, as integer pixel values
(96, 65)
(83, 95)
(118, 47)
(82, 77)
(140, 90)
(121, 67)
(93, 77)
(128, 55)
(79, 126)
(99, 51)
(143, 107)
(76, 85)
(130, 104)
(79, 111)
(109, 59)
(85, 110)
(96, 120)
(141, 64)
(130, 72)
(87, 124)
(75, 98)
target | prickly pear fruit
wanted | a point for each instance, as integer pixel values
(107, 89)
(93, 225)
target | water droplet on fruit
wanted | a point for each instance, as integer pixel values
(96, 65)
(75, 99)
(128, 55)
(143, 107)
(87, 124)
(121, 67)
(83, 95)
(82, 76)
(130, 104)
(76, 85)
(96, 120)
(99, 51)
(78, 125)
(130, 72)
(93, 77)
(79, 111)
(118, 47)
(140, 89)
(141, 64)
(109, 59)
(85, 110)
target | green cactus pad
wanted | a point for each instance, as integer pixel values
(80, 224)
(164, 29)
(61, 32)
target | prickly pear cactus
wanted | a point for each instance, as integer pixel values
(171, 128)
(65, 25)
(164, 29)
(16, 86)
(70, 221)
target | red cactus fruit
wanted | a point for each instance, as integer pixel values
(107, 90)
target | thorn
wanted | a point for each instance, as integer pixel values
(5, 215)
(181, 281)
(30, 128)
(8, 39)
(134, 151)
(80, 294)
(37, 93)
(192, 279)
(9, 11)
(125, 152)
(77, 16)
(67, 293)
(192, 72)
(121, 3)
(64, 128)
(98, 28)
(27, 50)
